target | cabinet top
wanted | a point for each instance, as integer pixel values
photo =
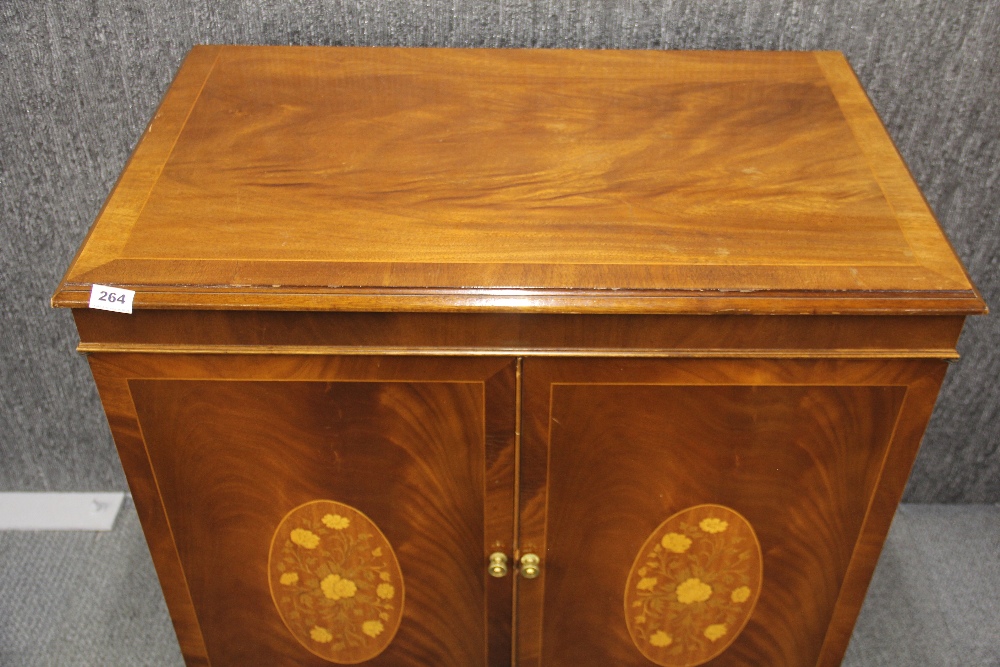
(392, 179)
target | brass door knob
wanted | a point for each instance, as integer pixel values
(498, 564)
(530, 566)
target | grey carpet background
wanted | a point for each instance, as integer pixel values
(75, 599)
(79, 80)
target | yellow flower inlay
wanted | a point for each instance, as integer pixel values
(646, 584)
(305, 538)
(336, 583)
(741, 594)
(692, 587)
(336, 521)
(676, 542)
(661, 639)
(372, 628)
(336, 588)
(713, 525)
(321, 635)
(693, 590)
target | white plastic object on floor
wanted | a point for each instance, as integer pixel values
(59, 511)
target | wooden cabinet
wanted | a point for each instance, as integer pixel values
(672, 324)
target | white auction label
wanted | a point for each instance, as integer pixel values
(111, 298)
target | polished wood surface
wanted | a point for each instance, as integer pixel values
(449, 179)
(424, 448)
(262, 332)
(610, 449)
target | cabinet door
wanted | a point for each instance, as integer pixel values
(310, 510)
(715, 512)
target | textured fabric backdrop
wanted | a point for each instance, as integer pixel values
(79, 80)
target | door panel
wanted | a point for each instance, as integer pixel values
(315, 510)
(637, 479)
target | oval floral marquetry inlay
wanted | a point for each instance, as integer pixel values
(336, 582)
(693, 586)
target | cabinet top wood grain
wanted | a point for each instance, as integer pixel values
(391, 179)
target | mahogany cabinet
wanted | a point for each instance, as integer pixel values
(469, 357)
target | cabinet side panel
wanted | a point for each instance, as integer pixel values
(912, 422)
(120, 410)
